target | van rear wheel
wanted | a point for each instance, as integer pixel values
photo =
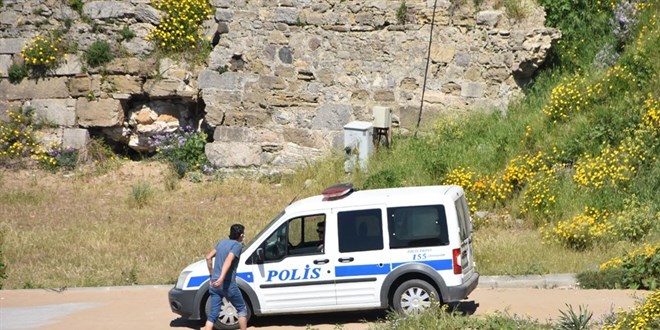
(413, 297)
(228, 318)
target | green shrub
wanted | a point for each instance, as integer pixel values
(184, 149)
(387, 178)
(57, 158)
(17, 73)
(634, 221)
(611, 278)
(99, 53)
(642, 270)
(3, 267)
(439, 318)
(126, 34)
(644, 315)
(76, 5)
(569, 320)
(639, 269)
(402, 13)
(515, 9)
(141, 193)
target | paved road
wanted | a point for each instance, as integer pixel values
(146, 307)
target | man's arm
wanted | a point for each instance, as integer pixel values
(225, 268)
(209, 261)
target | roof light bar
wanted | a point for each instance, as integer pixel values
(337, 191)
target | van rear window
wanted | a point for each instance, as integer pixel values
(416, 226)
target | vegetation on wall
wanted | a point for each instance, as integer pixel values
(178, 30)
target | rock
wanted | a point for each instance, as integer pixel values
(99, 113)
(60, 112)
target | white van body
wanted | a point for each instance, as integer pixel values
(385, 248)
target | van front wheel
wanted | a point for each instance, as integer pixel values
(228, 318)
(413, 297)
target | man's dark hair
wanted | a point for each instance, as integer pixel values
(236, 230)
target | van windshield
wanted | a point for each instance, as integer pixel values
(270, 224)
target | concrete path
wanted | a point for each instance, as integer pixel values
(146, 307)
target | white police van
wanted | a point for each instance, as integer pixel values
(395, 248)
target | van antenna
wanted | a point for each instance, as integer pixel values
(426, 70)
(306, 184)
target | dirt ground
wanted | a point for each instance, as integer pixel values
(147, 308)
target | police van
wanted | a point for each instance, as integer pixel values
(347, 249)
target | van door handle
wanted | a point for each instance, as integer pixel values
(349, 259)
(321, 261)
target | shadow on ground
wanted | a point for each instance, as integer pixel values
(304, 320)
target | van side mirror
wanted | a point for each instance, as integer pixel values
(259, 256)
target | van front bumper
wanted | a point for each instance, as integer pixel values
(182, 302)
(461, 292)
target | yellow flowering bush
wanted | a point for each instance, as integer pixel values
(538, 196)
(651, 118)
(41, 54)
(566, 98)
(613, 166)
(462, 177)
(179, 27)
(17, 138)
(582, 231)
(520, 169)
(645, 315)
(634, 221)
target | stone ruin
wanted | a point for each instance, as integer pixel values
(283, 78)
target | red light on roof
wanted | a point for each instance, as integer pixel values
(337, 191)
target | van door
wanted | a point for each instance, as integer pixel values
(465, 225)
(360, 262)
(296, 273)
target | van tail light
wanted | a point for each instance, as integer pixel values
(457, 261)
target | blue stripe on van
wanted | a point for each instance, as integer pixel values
(443, 264)
(196, 281)
(247, 276)
(359, 270)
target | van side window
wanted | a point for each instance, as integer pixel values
(463, 214)
(297, 236)
(360, 230)
(416, 226)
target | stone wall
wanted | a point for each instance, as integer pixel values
(284, 76)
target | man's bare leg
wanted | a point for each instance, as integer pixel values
(209, 325)
(242, 322)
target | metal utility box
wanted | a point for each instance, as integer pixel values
(358, 143)
(382, 117)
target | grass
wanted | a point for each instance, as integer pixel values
(79, 231)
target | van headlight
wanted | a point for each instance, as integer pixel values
(182, 279)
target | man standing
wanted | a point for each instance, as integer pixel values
(223, 276)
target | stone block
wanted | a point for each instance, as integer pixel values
(233, 154)
(99, 113)
(12, 45)
(108, 9)
(332, 116)
(70, 65)
(441, 53)
(488, 17)
(218, 102)
(225, 81)
(5, 64)
(472, 90)
(147, 14)
(60, 112)
(124, 84)
(48, 88)
(384, 96)
(286, 15)
(272, 83)
(76, 138)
